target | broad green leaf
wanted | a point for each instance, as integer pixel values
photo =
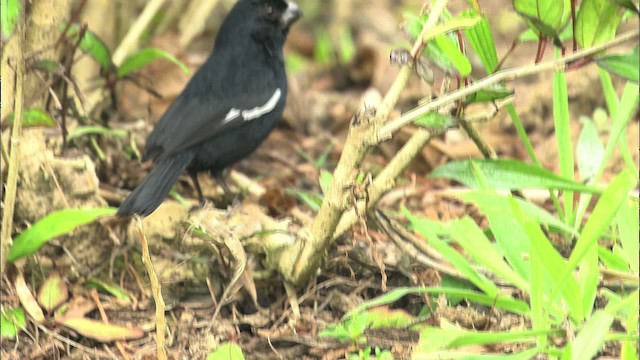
(226, 351)
(482, 42)
(51, 226)
(92, 45)
(548, 17)
(451, 50)
(590, 150)
(32, 118)
(11, 321)
(597, 22)
(623, 65)
(9, 15)
(509, 174)
(143, 57)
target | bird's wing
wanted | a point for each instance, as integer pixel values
(191, 120)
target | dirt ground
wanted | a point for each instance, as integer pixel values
(195, 272)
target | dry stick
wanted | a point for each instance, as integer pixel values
(16, 136)
(130, 42)
(503, 75)
(361, 137)
(156, 291)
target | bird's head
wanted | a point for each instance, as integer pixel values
(259, 18)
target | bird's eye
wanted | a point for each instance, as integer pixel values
(268, 10)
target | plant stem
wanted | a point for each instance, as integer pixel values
(16, 136)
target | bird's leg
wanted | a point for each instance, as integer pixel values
(219, 177)
(194, 178)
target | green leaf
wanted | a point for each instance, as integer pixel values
(482, 42)
(32, 118)
(9, 15)
(325, 180)
(436, 121)
(500, 301)
(561, 120)
(600, 219)
(597, 22)
(552, 262)
(490, 93)
(52, 225)
(453, 256)
(451, 50)
(509, 174)
(143, 57)
(323, 49)
(227, 351)
(11, 321)
(623, 65)
(547, 17)
(590, 150)
(96, 130)
(108, 287)
(311, 199)
(475, 243)
(627, 219)
(509, 235)
(91, 44)
(449, 337)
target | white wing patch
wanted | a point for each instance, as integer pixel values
(256, 112)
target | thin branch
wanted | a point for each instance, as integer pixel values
(16, 136)
(503, 75)
(130, 41)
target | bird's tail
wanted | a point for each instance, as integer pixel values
(145, 198)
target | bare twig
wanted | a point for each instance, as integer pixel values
(130, 42)
(16, 136)
(156, 291)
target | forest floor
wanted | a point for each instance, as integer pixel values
(274, 183)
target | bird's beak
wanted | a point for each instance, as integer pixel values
(291, 14)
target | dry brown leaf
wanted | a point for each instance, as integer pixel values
(102, 332)
(27, 299)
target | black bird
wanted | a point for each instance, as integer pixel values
(227, 109)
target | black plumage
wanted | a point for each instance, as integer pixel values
(228, 107)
